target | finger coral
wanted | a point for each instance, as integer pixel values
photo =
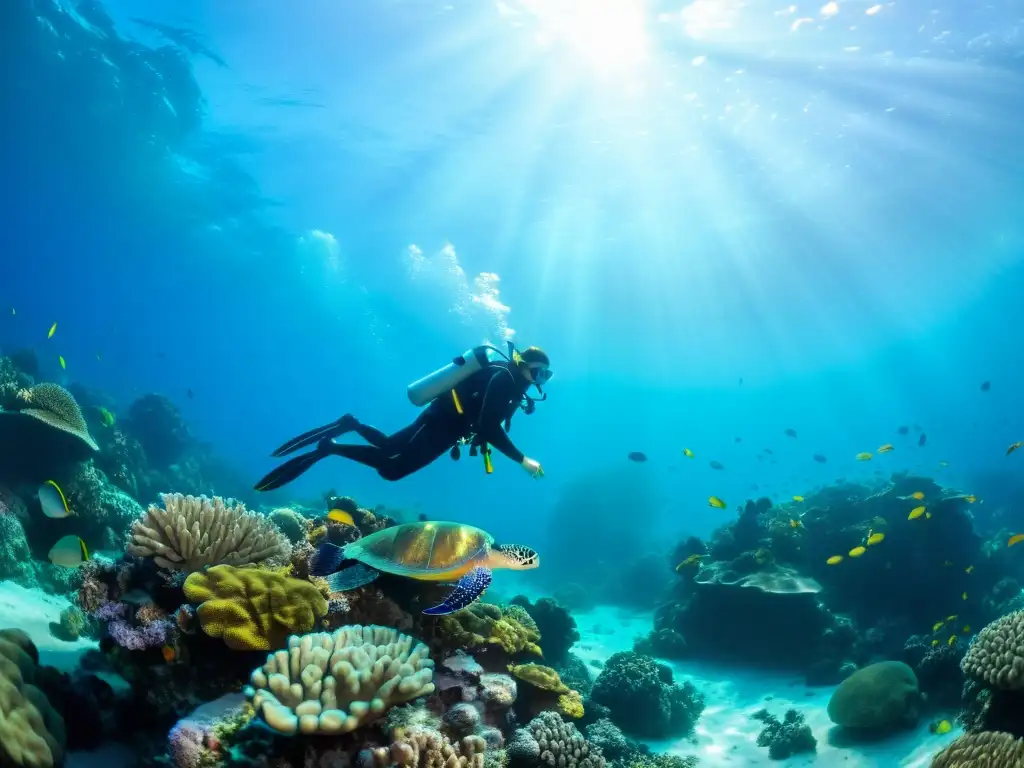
(426, 748)
(31, 733)
(996, 656)
(191, 533)
(253, 610)
(334, 683)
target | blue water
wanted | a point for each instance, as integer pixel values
(719, 220)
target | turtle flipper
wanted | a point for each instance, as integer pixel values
(469, 589)
(352, 577)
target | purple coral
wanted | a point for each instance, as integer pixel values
(139, 638)
(186, 744)
(109, 611)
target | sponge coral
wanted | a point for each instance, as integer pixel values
(486, 624)
(987, 749)
(334, 683)
(643, 699)
(996, 656)
(253, 610)
(191, 533)
(31, 733)
(879, 696)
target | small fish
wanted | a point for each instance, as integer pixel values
(986, 386)
(954, 617)
(963, 595)
(967, 629)
(903, 430)
(789, 433)
(340, 516)
(794, 523)
(1016, 539)
(952, 640)
(927, 515)
(857, 551)
(885, 448)
(62, 363)
(741, 381)
(969, 569)
(53, 330)
(798, 498)
(691, 560)
(941, 727)
(922, 440)
(717, 503)
(768, 451)
(169, 654)
(69, 552)
(737, 439)
(937, 626)
(934, 643)
(637, 456)
(819, 458)
(99, 356)
(943, 463)
(53, 501)
(716, 465)
(106, 417)
(1013, 447)
(13, 312)
(863, 456)
(915, 513)
(835, 560)
(875, 538)
(970, 499)
(190, 394)
(917, 495)
(687, 453)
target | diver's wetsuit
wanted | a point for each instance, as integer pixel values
(489, 398)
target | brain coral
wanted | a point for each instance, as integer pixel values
(987, 749)
(562, 745)
(253, 610)
(334, 683)
(191, 533)
(879, 696)
(996, 656)
(31, 733)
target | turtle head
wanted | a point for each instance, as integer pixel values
(515, 557)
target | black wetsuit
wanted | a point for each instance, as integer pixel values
(489, 398)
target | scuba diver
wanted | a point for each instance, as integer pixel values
(470, 401)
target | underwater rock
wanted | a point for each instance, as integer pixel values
(879, 697)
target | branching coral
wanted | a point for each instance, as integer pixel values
(253, 610)
(334, 683)
(191, 533)
(787, 737)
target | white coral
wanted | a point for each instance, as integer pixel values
(191, 533)
(333, 683)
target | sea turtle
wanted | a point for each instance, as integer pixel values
(427, 551)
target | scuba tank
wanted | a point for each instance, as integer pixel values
(445, 379)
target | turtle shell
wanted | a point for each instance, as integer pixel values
(425, 550)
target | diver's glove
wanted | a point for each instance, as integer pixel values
(533, 467)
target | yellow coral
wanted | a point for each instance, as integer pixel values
(254, 610)
(315, 536)
(571, 704)
(539, 676)
(483, 623)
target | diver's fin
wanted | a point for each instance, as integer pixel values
(290, 470)
(326, 559)
(346, 423)
(353, 577)
(469, 589)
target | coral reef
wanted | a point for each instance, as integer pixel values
(253, 610)
(880, 696)
(643, 699)
(495, 636)
(191, 533)
(334, 683)
(787, 737)
(31, 732)
(549, 741)
(555, 625)
(425, 748)
(988, 749)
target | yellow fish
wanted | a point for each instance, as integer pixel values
(937, 626)
(857, 551)
(106, 417)
(1013, 447)
(717, 503)
(952, 618)
(798, 498)
(865, 456)
(835, 560)
(952, 640)
(943, 726)
(62, 363)
(915, 513)
(970, 499)
(1015, 539)
(687, 453)
(53, 501)
(934, 643)
(917, 495)
(963, 596)
(340, 516)
(53, 330)
(927, 515)
(885, 448)
(969, 569)
(875, 538)
(794, 523)
(967, 629)
(691, 560)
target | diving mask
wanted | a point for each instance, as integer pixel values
(540, 374)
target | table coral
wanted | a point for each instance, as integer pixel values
(253, 610)
(334, 683)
